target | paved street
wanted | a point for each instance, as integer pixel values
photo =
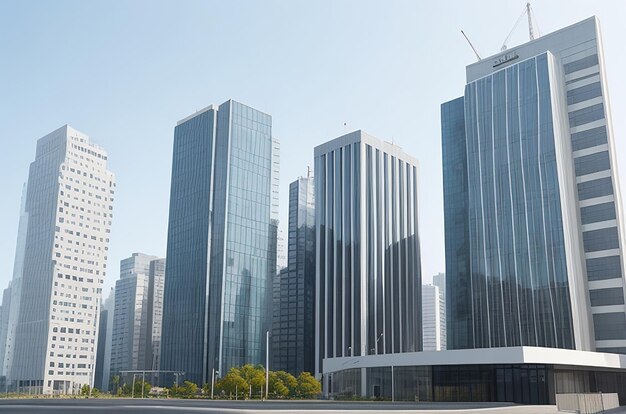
(121, 406)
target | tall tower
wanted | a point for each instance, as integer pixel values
(367, 250)
(221, 248)
(533, 217)
(69, 207)
(131, 343)
(293, 334)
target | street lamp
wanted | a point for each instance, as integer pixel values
(267, 362)
(378, 339)
(213, 374)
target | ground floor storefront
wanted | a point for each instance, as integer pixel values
(465, 376)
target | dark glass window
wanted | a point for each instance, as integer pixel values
(604, 268)
(598, 212)
(581, 64)
(589, 138)
(602, 239)
(589, 164)
(595, 188)
(605, 297)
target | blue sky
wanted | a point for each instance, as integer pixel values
(124, 72)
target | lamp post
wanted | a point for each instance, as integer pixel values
(213, 373)
(378, 339)
(267, 362)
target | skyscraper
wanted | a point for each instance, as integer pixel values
(105, 336)
(221, 247)
(293, 334)
(16, 286)
(433, 319)
(133, 336)
(4, 325)
(532, 205)
(367, 254)
(439, 280)
(67, 217)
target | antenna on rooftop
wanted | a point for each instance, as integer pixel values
(527, 11)
(471, 45)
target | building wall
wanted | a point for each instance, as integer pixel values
(293, 334)
(69, 201)
(367, 258)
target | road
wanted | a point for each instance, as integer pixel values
(128, 406)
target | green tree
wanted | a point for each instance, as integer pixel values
(289, 381)
(84, 390)
(308, 386)
(277, 386)
(146, 389)
(115, 380)
(233, 383)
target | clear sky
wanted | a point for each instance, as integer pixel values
(124, 72)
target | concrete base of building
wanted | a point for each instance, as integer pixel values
(527, 375)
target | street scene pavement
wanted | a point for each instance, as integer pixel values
(121, 406)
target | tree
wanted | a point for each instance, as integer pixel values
(146, 388)
(115, 380)
(290, 382)
(308, 386)
(84, 390)
(233, 383)
(277, 386)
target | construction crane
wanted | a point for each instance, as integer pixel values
(471, 45)
(527, 11)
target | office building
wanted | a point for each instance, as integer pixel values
(155, 299)
(367, 259)
(4, 324)
(102, 379)
(16, 285)
(534, 279)
(293, 334)
(439, 280)
(221, 246)
(133, 337)
(433, 319)
(68, 210)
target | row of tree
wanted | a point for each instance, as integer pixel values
(243, 382)
(249, 382)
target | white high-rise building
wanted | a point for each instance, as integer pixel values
(433, 319)
(68, 207)
(439, 280)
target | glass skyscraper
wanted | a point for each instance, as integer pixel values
(221, 241)
(293, 334)
(533, 220)
(367, 249)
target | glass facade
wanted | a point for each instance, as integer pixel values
(504, 233)
(368, 261)
(186, 269)
(221, 242)
(293, 334)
